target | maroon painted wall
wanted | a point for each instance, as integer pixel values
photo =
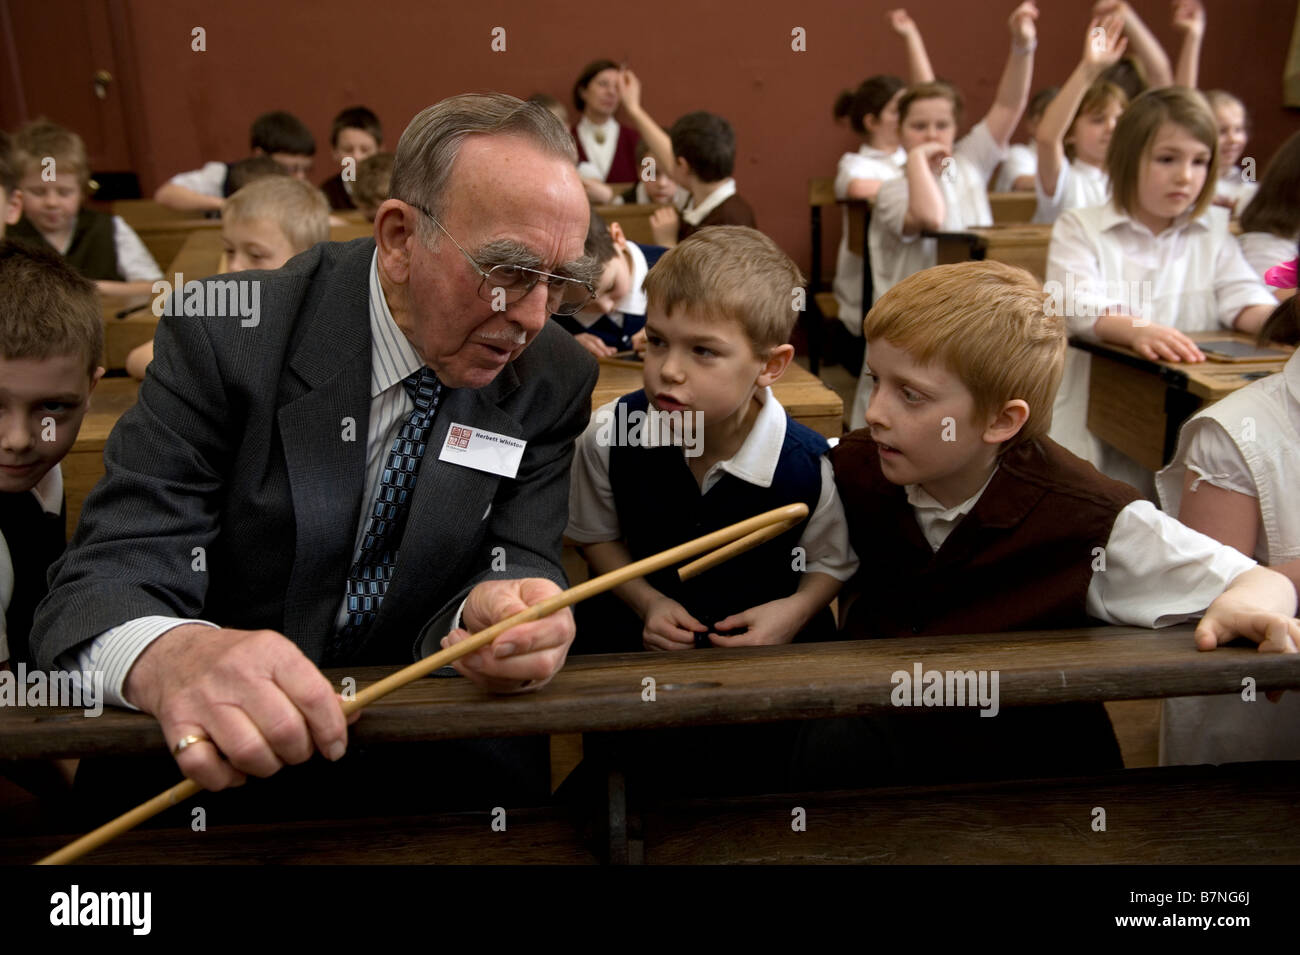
(733, 57)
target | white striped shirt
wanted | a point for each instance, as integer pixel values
(392, 358)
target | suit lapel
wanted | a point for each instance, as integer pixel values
(450, 503)
(323, 427)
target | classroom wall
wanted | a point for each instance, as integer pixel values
(730, 56)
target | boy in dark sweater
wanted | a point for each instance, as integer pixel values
(971, 520)
(706, 444)
(51, 343)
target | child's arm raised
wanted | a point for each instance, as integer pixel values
(656, 140)
(918, 62)
(1102, 47)
(1145, 47)
(1013, 90)
(668, 625)
(926, 208)
(1189, 20)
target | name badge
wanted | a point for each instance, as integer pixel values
(482, 450)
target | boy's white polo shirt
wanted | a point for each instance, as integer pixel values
(593, 516)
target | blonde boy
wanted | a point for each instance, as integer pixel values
(705, 444)
(51, 343)
(971, 520)
(54, 176)
(263, 226)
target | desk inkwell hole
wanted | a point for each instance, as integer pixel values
(696, 685)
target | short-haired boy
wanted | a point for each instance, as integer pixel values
(969, 519)
(717, 322)
(374, 182)
(614, 317)
(700, 153)
(263, 226)
(54, 173)
(51, 343)
(11, 197)
(280, 135)
(355, 134)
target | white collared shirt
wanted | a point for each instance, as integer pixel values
(1021, 160)
(48, 492)
(208, 181)
(1191, 276)
(696, 214)
(1157, 572)
(866, 163)
(593, 516)
(392, 358)
(1078, 185)
(1264, 250)
(599, 155)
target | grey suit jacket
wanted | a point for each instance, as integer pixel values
(233, 488)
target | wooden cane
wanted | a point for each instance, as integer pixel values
(737, 538)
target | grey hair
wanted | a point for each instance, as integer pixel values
(430, 144)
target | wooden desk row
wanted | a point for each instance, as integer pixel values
(1242, 814)
(1138, 406)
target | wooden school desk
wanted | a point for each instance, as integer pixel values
(1012, 207)
(1024, 245)
(1138, 406)
(802, 394)
(1238, 814)
(162, 230)
(634, 219)
(83, 466)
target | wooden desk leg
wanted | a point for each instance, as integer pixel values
(619, 822)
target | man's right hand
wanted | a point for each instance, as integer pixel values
(252, 693)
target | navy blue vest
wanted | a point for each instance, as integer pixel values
(605, 327)
(660, 505)
(35, 540)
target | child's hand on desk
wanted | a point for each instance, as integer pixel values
(768, 624)
(668, 626)
(663, 224)
(594, 345)
(639, 343)
(1162, 343)
(1257, 605)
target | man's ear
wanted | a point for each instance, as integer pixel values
(1007, 422)
(395, 238)
(774, 366)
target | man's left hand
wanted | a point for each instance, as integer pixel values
(525, 657)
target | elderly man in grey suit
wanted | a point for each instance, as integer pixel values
(305, 490)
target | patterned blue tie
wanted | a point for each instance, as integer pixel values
(373, 569)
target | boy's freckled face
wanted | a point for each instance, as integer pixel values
(36, 393)
(698, 363)
(355, 143)
(906, 417)
(51, 206)
(255, 244)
